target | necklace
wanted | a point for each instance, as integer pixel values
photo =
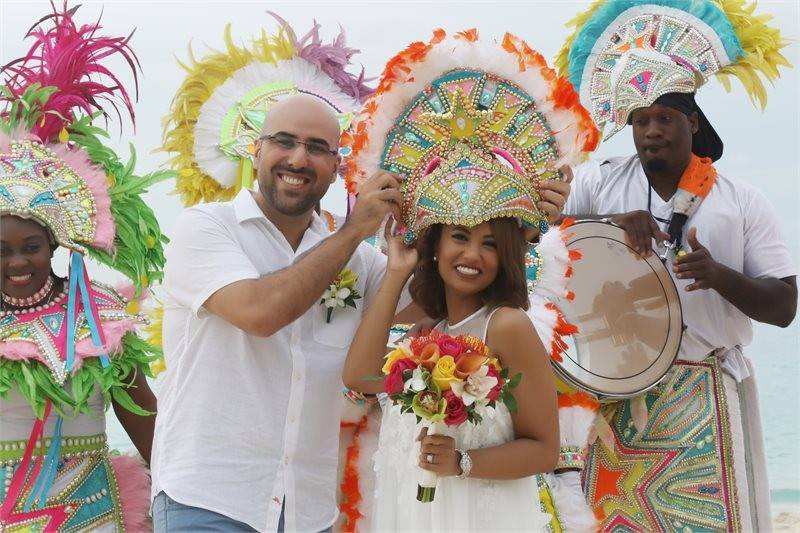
(35, 299)
(21, 311)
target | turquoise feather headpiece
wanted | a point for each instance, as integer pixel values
(625, 54)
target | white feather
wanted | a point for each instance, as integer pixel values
(573, 511)
(302, 74)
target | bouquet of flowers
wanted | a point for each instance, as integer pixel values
(445, 379)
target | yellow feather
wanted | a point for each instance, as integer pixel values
(762, 46)
(577, 22)
(203, 76)
(153, 336)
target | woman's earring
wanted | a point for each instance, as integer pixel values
(435, 259)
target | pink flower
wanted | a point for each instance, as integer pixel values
(393, 382)
(449, 346)
(456, 412)
(494, 394)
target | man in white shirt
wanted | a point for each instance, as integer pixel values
(731, 267)
(248, 425)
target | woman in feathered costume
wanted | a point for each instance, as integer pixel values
(473, 127)
(68, 345)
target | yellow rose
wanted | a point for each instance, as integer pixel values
(392, 357)
(444, 372)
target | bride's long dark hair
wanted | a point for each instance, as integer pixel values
(509, 288)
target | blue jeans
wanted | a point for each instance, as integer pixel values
(169, 516)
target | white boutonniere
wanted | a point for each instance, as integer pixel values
(341, 293)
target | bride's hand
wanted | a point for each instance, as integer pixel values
(438, 454)
(402, 258)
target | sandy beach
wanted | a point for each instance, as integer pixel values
(785, 518)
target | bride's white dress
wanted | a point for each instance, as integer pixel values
(460, 504)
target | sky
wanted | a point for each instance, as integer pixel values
(761, 147)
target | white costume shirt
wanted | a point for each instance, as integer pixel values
(735, 223)
(244, 421)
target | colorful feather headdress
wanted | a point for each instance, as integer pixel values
(218, 112)
(55, 169)
(624, 54)
(473, 126)
(54, 166)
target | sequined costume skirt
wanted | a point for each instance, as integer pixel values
(692, 468)
(92, 490)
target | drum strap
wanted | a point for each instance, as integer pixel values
(696, 182)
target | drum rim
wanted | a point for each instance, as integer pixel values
(604, 395)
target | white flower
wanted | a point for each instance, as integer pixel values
(476, 387)
(342, 293)
(335, 297)
(416, 382)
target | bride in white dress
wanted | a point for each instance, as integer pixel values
(473, 280)
(465, 125)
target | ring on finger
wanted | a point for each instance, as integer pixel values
(429, 458)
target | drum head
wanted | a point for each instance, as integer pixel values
(627, 311)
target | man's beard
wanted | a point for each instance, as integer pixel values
(293, 208)
(656, 165)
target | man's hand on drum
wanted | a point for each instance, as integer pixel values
(641, 229)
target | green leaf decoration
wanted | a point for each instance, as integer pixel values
(33, 380)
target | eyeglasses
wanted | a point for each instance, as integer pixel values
(313, 148)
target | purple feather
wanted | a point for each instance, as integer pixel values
(333, 58)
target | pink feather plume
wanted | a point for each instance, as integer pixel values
(70, 57)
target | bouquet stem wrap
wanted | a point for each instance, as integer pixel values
(426, 489)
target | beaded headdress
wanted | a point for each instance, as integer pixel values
(217, 113)
(54, 165)
(625, 54)
(472, 127)
(56, 170)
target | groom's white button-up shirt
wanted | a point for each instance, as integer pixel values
(243, 421)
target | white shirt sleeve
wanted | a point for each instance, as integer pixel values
(765, 252)
(585, 187)
(202, 258)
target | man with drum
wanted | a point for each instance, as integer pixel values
(691, 454)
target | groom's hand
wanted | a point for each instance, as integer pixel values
(377, 197)
(438, 454)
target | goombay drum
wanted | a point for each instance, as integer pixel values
(628, 315)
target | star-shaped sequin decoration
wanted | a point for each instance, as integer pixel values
(622, 481)
(463, 123)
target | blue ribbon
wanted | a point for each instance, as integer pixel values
(77, 282)
(49, 470)
(94, 327)
(75, 268)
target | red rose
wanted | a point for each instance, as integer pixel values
(393, 382)
(494, 394)
(449, 346)
(456, 412)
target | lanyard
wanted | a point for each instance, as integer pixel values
(649, 208)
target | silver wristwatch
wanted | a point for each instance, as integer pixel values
(465, 463)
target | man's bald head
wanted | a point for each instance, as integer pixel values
(310, 116)
(298, 161)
